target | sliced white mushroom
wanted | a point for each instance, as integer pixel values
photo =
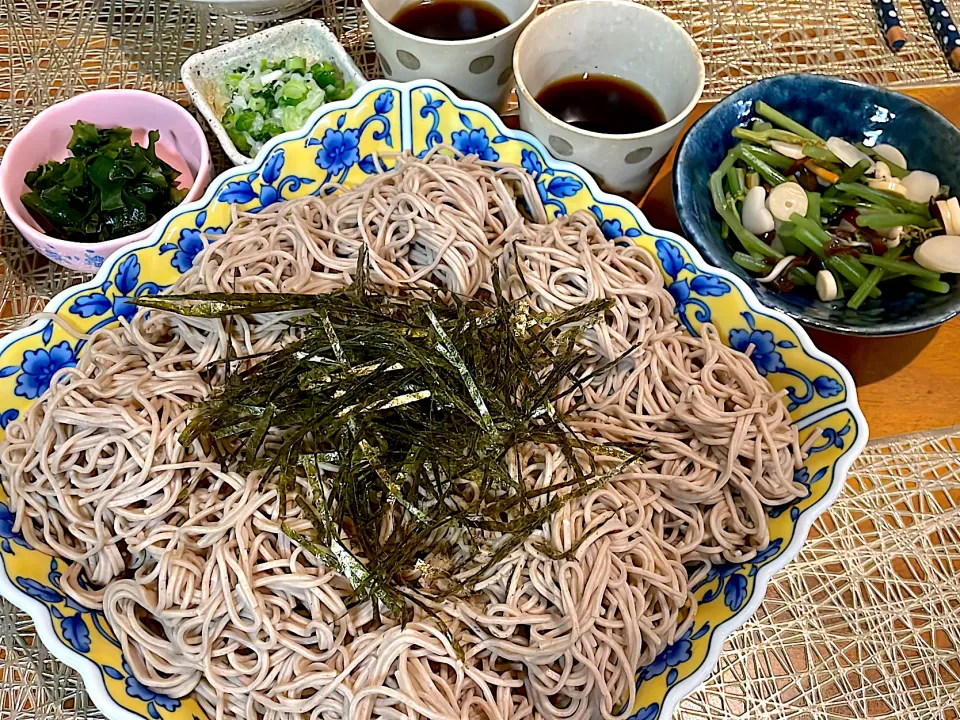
(921, 186)
(882, 171)
(826, 285)
(954, 205)
(777, 269)
(940, 254)
(950, 215)
(848, 154)
(890, 185)
(891, 236)
(794, 152)
(785, 200)
(891, 154)
(756, 218)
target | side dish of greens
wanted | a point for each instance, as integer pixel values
(110, 188)
(832, 217)
(269, 98)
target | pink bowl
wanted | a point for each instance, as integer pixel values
(182, 144)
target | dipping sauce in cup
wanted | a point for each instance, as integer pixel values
(602, 104)
(450, 19)
(608, 85)
(466, 44)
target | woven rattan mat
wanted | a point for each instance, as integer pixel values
(865, 623)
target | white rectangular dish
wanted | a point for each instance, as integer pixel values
(203, 73)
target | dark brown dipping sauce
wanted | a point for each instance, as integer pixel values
(451, 19)
(602, 104)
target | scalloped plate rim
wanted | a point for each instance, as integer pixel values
(90, 671)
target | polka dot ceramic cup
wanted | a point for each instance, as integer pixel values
(622, 39)
(479, 69)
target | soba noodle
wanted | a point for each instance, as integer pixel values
(208, 596)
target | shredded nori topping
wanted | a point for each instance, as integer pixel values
(405, 411)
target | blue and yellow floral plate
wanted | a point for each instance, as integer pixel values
(342, 144)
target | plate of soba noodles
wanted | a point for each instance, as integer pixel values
(407, 419)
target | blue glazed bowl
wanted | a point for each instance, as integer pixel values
(828, 106)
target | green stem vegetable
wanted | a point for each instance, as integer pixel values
(883, 198)
(906, 268)
(778, 118)
(813, 206)
(768, 173)
(883, 220)
(815, 238)
(771, 157)
(874, 277)
(734, 182)
(751, 263)
(934, 286)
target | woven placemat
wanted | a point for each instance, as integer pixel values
(864, 623)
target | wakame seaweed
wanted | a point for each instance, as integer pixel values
(109, 188)
(406, 409)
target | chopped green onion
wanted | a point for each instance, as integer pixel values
(268, 98)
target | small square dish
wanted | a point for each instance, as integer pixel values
(204, 74)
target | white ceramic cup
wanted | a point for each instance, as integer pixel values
(618, 38)
(479, 69)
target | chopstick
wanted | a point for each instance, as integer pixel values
(945, 29)
(889, 19)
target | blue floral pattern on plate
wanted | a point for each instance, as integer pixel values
(340, 147)
(674, 654)
(685, 291)
(37, 370)
(766, 357)
(38, 367)
(732, 578)
(552, 186)
(73, 617)
(272, 185)
(138, 690)
(191, 240)
(7, 533)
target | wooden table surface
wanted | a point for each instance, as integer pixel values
(906, 383)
